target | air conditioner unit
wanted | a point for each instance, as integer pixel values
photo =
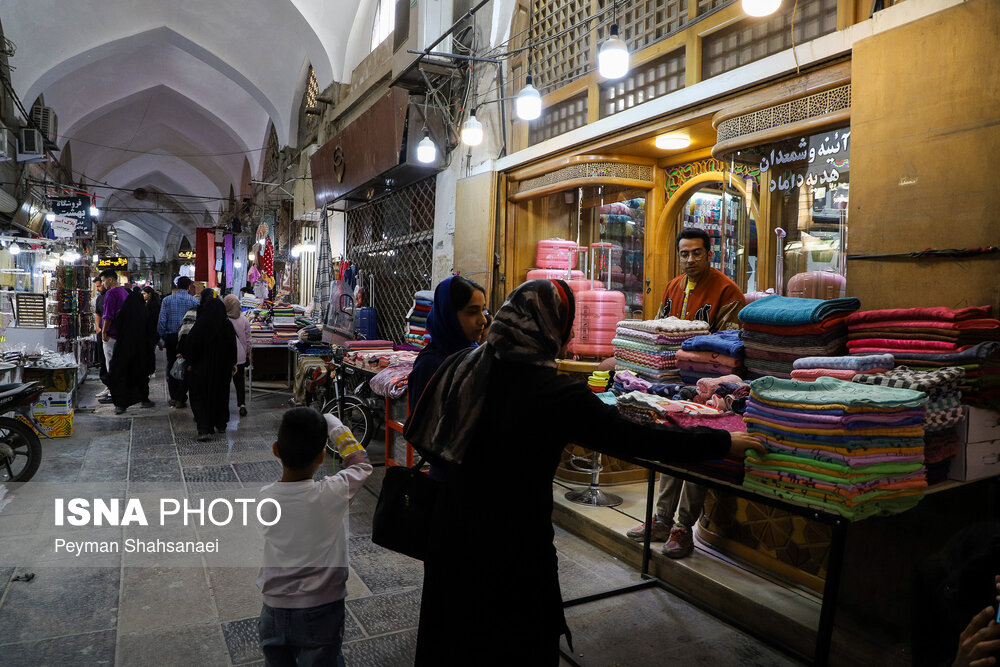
(46, 120)
(8, 148)
(417, 25)
(31, 147)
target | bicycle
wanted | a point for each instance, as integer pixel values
(331, 393)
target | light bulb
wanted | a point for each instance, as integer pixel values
(612, 59)
(426, 150)
(672, 142)
(15, 249)
(760, 7)
(94, 258)
(528, 102)
(238, 264)
(251, 256)
(50, 216)
(297, 249)
(472, 130)
(94, 211)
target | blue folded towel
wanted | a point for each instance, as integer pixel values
(793, 311)
(727, 342)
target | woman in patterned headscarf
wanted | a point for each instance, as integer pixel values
(501, 416)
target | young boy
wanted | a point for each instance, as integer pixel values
(304, 575)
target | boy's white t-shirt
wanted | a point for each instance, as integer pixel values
(305, 552)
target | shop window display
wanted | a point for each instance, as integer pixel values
(808, 179)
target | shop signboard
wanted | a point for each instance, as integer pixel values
(115, 263)
(77, 208)
(188, 255)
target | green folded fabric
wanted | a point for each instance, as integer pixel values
(826, 390)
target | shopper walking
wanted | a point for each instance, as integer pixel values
(152, 300)
(241, 325)
(171, 316)
(210, 352)
(506, 396)
(104, 395)
(125, 335)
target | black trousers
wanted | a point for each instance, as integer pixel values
(177, 388)
(239, 381)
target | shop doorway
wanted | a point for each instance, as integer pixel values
(390, 240)
(722, 211)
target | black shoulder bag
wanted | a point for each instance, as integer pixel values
(402, 516)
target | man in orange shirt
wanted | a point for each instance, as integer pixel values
(699, 293)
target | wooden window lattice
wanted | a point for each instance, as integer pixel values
(753, 39)
(643, 23)
(566, 57)
(706, 6)
(655, 79)
(559, 118)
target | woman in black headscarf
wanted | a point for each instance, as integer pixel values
(491, 583)
(210, 351)
(128, 372)
(152, 317)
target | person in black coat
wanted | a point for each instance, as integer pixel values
(500, 416)
(152, 300)
(128, 377)
(210, 351)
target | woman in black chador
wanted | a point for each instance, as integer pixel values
(210, 351)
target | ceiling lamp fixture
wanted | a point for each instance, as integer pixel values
(426, 150)
(94, 212)
(14, 249)
(472, 130)
(760, 7)
(529, 102)
(612, 59)
(672, 142)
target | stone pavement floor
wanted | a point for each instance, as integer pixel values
(207, 615)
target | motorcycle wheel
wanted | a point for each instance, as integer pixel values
(20, 451)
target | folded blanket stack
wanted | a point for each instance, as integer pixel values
(943, 413)
(652, 409)
(711, 355)
(649, 348)
(286, 329)
(777, 330)
(261, 333)
(849, 447)
(933, 338)
(416, 319)
(808, 369)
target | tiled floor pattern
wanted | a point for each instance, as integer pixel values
(207, 616)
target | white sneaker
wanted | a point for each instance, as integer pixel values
(104, 394)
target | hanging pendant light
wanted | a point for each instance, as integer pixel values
(94, 212)
(426, 150)
(612, 59)
(14, 249)
(528, 102)
(760, 7)
(472, 130)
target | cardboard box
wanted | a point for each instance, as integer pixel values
(53, 379)
(53, 403)
(982, 425)
(58, 426)
(976, 460)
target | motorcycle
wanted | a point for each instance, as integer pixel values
(20, 448)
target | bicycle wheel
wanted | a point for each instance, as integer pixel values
(356, 417)
(20, 451)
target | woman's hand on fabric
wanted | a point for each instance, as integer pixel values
(979, 641)
(741, 442)
(234, 371)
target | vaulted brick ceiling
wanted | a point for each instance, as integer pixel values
(173, 96)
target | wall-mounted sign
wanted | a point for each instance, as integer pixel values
(77, 208)
(816, 161)
(187, 254)
(116, 263)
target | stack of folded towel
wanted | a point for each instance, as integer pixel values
(416, 319)
(777, 330)
(944, 410)
(808, 369)
(711, 355)
(848, 447)
(649, 348)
